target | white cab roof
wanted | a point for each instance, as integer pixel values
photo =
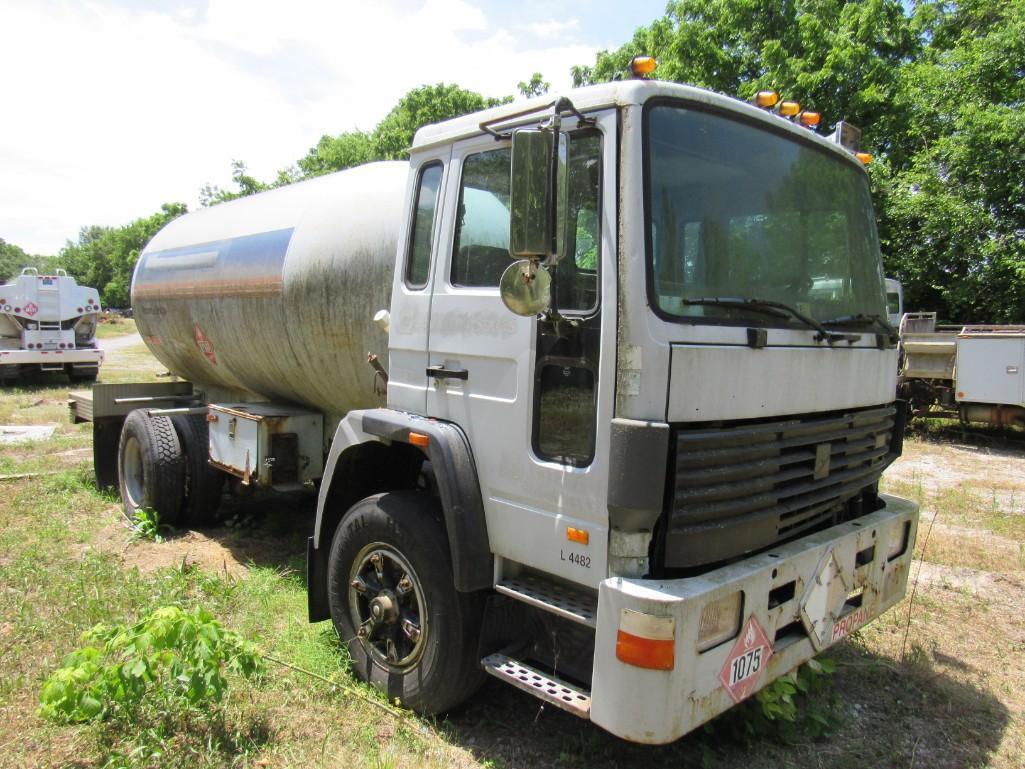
(623, 93)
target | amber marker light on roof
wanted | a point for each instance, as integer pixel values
(864, 157)
(642, 65)
(766, 99)
(809, 119)
(419, 439)
(789, 108)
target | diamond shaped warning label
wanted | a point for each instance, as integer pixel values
(204, 344)
(749, 656)
(31, 309)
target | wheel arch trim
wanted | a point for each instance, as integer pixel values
(458, 488)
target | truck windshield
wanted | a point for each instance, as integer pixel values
(738, 211)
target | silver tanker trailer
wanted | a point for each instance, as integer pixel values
(596, 394)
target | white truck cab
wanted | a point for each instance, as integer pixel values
(680, 456)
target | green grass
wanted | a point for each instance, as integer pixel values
(115, 327)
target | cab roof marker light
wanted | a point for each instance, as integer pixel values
(642, 65)
(864, 157)
(789, 108)
(646, 640)
(766, 99)
(809, 119)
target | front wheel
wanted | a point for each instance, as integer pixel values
(393, 602)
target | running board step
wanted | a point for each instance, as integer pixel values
(546, 687)
(573, 604)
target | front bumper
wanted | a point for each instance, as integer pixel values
(826, 568)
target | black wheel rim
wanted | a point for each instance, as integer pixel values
(387, 608)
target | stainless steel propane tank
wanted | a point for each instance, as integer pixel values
(273, 296)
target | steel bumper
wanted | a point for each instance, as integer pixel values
(842, 577)
(51, 357)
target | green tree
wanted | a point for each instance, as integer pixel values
(536, 86)
(105, 257)
(333, 153)
(952, 193)
(211, 194)
(13, 260)
(392, 137)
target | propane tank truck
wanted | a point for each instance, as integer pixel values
(596, 393)
(48, 323)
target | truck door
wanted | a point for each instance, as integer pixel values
(530, 394)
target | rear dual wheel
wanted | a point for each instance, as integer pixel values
(162, 466)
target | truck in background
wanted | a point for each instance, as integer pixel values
(596, 393)
(48, 323)
(972, 373)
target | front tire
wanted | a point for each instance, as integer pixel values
(409, 632)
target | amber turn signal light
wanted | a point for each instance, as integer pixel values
(645, 640)
(577, 535)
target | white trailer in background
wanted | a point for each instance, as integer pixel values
(48, 323)
(971, 373)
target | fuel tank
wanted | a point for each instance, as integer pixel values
(273, 296)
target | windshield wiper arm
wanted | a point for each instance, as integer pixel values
(778, 309)
(861, 319)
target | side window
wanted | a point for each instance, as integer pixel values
(565, 412)
(480, 253)
(418, 257)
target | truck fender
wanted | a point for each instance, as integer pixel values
(458, 489)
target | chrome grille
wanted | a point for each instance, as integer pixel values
(743, 487)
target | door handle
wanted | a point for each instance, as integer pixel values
(440, 372)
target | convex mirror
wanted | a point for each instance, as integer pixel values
(526, 288)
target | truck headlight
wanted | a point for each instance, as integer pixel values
(720, 621)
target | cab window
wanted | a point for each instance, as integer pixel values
(480, 252)
(418, 259)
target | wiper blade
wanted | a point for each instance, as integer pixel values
(777, 309)
(862, 319)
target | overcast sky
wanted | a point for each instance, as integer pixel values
(112, 107)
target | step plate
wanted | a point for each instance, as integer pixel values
(543, 686)
(576, 605)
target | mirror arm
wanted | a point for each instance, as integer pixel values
(563, 104)
(559, 106)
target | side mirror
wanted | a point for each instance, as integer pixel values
(538, 194)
